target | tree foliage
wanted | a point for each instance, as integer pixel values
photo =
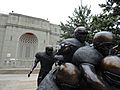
(105, 21)
(80, 17)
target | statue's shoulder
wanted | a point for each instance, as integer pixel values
(39, 54)
(87, 54)
(71, 41)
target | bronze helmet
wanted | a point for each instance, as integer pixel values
(103, 42)
(68, 74)
(111, 64)
(80, 33)
(49, 49)
(80, 29)
(111, 70)
(102, 37)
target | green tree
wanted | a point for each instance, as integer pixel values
(107, 20)
(80, 17)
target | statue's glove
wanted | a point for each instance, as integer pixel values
(29, 73)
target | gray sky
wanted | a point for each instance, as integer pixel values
(54, 10)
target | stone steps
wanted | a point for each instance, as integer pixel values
(17, 71)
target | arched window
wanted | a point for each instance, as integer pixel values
(27, 46)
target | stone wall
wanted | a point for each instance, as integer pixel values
(13, 26)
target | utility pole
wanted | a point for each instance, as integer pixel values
(81, 3)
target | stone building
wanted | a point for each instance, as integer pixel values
(22, 36)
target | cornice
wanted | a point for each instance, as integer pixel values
(27, 27)
(16, 14)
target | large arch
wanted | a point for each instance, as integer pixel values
(28, 44)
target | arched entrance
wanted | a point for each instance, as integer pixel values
(28, 43)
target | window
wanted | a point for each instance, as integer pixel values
(27, 45)
(27, 52)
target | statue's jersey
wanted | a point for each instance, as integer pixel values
(87, 54)
(46, 61)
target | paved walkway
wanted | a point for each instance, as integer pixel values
(17, 82)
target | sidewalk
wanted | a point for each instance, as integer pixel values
(18, 82)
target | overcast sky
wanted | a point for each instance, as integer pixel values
(54, 10)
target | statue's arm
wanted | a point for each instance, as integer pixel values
(34, 66)
(92, 79)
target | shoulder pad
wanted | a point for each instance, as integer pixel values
(87, 54)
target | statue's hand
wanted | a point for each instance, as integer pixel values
(29, 73)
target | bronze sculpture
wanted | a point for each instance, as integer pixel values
(70, 45)
(97, 69)
(46, 60)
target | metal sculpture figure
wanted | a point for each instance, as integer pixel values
(89, 58)
(46, 60)
(70, 45)
(64, 77)
(88, 61)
